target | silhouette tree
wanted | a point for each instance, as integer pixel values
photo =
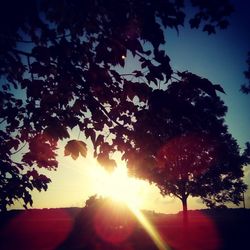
(245, 88)
(102, 222)
(181, 143)
(60, 64)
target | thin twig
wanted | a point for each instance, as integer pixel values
(175, 78)
(20, 149)
(22, 52)
(79, 134)
(3, 120)
(32, 76)
(30, 41)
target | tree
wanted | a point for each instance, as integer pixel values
(181, 143)
(60, 64)
(245, 88)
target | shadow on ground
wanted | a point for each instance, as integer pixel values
(109, 227)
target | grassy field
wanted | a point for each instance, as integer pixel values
(75, 228)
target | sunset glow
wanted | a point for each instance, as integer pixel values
(124, 125)
(119, 186)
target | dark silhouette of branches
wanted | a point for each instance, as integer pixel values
(245, 88)
(181, 143)
(59, 67)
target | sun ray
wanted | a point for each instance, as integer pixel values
(119, 186)
(150, 229)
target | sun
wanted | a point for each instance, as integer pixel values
(119, 186)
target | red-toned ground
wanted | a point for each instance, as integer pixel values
(105, 229)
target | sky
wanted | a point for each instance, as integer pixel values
(219, 58)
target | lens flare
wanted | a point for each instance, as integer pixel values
(37, 229)
(113, 222)
(150, 229)
(201, 232)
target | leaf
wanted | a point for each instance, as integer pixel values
(219, 88)
(82, 148)
(223, 24)
(99, 140)
(74, 148)
(104, 160)
(41, 53)
(38, 68)
(56, 131)
(148, 52)
(14, 144)
(137, 73)
(27, 198)
(201, 83)
(144, 64)
(194, 23)
(90, 133)
(209, 29)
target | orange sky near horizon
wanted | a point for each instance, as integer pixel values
(76, 180)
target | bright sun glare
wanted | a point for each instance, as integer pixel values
(119, 186)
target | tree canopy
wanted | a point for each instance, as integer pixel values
(182, 144)
(60, 67)
(245, 88)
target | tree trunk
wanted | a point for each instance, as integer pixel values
(184, 210)
(244, 204)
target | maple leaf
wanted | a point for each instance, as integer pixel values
(74, 148)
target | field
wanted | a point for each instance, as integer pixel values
(75, 228)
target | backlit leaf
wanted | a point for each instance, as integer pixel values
(74, 148)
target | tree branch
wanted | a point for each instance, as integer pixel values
(19, 149)
(3, 120)
(22, 52)
(30, 41)
(107, 114)
(32, 76)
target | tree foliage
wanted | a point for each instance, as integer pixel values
(182, 144)
(60, 65)
(245, 88)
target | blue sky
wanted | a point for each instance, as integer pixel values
(221, 59)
